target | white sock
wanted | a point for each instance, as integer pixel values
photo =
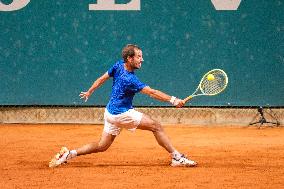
(72, 154)
(176, 155)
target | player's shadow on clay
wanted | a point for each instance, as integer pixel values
(87, 164)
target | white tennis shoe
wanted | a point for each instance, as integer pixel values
(183, 161)
(60, 157)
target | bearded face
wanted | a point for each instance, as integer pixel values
(137, 59)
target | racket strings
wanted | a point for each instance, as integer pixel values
(215, 86)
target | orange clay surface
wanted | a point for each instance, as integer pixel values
(228, 157)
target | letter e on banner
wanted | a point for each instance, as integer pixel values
(15, 5)
(110, 5)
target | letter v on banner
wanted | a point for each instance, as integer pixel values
(110, 5)
(226, 4)
(15, 5)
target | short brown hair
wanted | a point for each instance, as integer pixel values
(129, 51)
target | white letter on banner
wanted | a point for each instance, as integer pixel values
(15, 5)
(110, 5)
(226, 4)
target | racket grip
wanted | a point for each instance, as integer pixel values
(187, 99)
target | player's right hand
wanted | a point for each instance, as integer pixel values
(179, 103)
(85, 95)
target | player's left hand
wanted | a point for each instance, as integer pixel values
(85, 95)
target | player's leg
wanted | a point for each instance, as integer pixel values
(95, 147)
(178, 159)
(149, 124)
(102, 145)
(109, 133)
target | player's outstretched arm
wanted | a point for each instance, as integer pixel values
(159, 95)
(96, 84)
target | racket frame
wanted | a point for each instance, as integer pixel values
(199, 86)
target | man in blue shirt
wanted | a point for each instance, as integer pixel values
(119, 112)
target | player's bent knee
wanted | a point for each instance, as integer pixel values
(157, 127)
(150, 125)
(103, 148)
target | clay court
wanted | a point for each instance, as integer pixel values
(228, 157)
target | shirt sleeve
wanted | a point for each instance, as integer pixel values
(138, 85)
(114, 68)
(111, 71)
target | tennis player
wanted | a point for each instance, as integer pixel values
(119, 113)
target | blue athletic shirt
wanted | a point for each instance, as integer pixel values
(125, 85)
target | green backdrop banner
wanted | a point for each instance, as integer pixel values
(53, 50)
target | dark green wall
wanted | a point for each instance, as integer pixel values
(53, 50)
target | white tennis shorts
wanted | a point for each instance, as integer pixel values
(127, 120)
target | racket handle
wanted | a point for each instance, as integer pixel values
(187, 99)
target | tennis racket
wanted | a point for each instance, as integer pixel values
(212, 83)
